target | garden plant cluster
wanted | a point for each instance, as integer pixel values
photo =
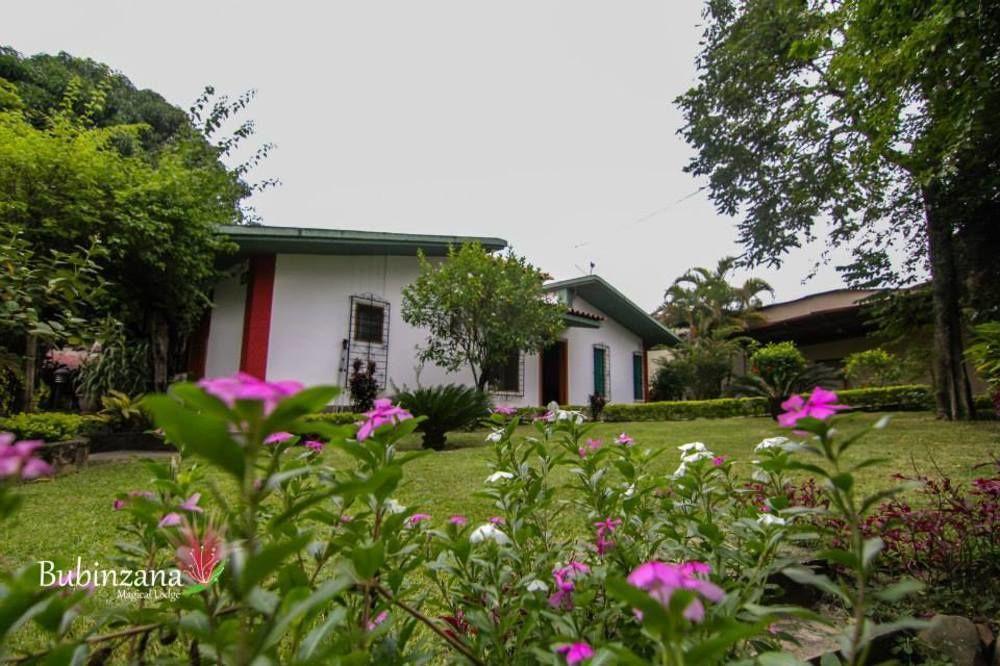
(307, 562)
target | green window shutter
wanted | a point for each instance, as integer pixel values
(599, 378)
(637, 391)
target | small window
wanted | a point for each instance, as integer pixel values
(369, 323)
(638, 384)
(602, 371)
(509, 376)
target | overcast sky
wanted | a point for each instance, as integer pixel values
(547, 123)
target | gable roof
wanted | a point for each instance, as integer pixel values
(599, 293)
(298, 240)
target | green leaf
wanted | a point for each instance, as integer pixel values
(307, 401)
(270, 558)
(870, 550)
(899, 590)
(808, 577)
(367, 559)
(203, 435)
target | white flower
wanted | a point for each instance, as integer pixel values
(760, 475)
(498, 476)
(565, 414)
(629, 490)
(494, 436)
(771, 443)
(680, 471)
(488, 532)
(696, 456)
(392, 506)
(769, 519)
(535, 585)
(692, 446)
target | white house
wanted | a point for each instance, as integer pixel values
(305, 303)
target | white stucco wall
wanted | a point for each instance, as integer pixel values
(621, 343)
(310, 317)
(225, 332)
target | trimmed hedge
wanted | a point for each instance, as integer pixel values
(912, 398)
(52, 426)
(683, 410)
(337, 418)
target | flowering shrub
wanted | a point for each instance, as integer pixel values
(310, 563)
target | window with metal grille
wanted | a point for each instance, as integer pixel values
(369, 323)
(602, 371)
(509, 379)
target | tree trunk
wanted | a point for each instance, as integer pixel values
(952, 391)
(161, 350)
(30, 372)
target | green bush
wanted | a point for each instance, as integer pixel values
(52, 426)
(668, 382)
(912, 398)
(873, 368)
(886, 399)
(447, 408)
(683, 410)
(336, 418)
(777, 360)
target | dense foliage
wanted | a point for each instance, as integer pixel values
(479, 309)
(872, 368)
(710, 313)
(872, 119)
(313, 564)
(777, 370)
(85, 156)
(51, 426)
(444, 408)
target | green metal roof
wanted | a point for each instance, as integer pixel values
(596, 291)
(296, 240)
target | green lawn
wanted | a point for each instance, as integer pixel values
(72, 515)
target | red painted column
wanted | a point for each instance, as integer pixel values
(257, 316)
(198, 346)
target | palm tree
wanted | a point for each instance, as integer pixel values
(703, 301)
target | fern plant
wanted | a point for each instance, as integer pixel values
(447, 408)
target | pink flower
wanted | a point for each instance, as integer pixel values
(458, 520)
(377, 620)
(497, 520)
(314, 445)
(660, 579)
(244, 387)
(605, 527)
(172, 519)
(198, 556)
(505, 410)
(191, 503)
(383, 413)
(575, 652)
(564, 576)
(418, 518)
(71, 359)
(592, 445)
(624, 440)
(547, 416)
(719, 461)
(821, 405)
(118, 505)
(278, 437)
(18, 458)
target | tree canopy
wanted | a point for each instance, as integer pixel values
(869, 124)
(479, 309)
(85, 155)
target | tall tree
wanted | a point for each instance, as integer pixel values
(479, 309)
(875, 119)
(705, 302)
